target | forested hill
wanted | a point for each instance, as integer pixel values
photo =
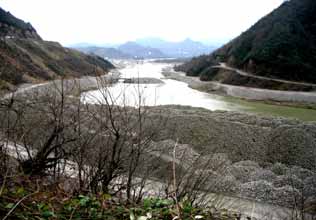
(280, 45)
(25, 57)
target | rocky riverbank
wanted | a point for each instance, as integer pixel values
(264, 159)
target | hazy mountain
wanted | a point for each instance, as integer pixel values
(152, 42)
(129, 50)
(186, 48)
(24, 57)
(86, 44)
(111, 53)
(139, 51)
(281, 45)
(147, 48)
(81, 45)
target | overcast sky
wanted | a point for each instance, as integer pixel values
(117, 21)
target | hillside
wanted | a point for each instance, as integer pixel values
(281, 45)
(25, 57)
(11, 26)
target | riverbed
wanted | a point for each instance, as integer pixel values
(173, 92)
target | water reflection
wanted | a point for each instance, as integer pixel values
(169, 92)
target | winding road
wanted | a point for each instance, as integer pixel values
(242, 91)
(243, 73)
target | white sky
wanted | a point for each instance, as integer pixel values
(116, 21)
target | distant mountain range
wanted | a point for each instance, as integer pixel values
(25, 57)
(108, 52)
(281, 45)
(182, 49)
(148, 48)
(139, 51)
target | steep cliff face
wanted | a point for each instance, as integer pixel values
(25, 57)
(280, 45)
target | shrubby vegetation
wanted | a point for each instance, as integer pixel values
(39, 199)
(62, 159)
(131, 154)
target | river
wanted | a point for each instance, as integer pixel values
(172, 92)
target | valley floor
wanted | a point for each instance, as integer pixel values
(300, 105)
(246, 142)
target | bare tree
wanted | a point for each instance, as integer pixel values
(125, 135)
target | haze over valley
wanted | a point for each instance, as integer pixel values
(149, 48)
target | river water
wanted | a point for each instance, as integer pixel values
(172, 92)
